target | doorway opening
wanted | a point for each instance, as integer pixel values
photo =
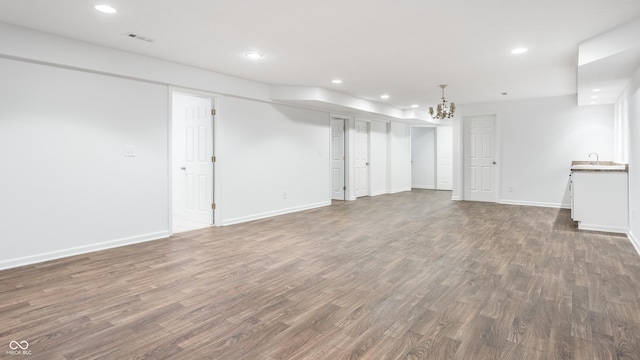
(192, 161)
(423, 157)
(431, 157)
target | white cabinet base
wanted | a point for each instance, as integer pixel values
(600, 200)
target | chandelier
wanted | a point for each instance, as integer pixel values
(443, 110)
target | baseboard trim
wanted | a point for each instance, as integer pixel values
(612, 229)
(378, 193)
(634, 241)
(533, 203)
(455, 198)
(395, 191)
(269, 214)
(425, 187)
(80, 250)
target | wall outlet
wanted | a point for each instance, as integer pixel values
(284, 194)
(129, 151)
(510, 188)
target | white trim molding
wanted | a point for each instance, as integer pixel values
(634, 241)
(399, 190)
(269, 214)
(80, 250)
(424, 187)
(534, 203)
(612, 229)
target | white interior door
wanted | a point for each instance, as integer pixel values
(480, 164)
(193, 117)
(338, 189)
(444, 158)
(362, 158)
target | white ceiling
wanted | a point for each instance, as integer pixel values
(404, 48)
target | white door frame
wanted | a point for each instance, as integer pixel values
(464, 146)
(349, 150)
(344, 154)
(368, 161)
(215, 104)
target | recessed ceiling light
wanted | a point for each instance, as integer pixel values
(415, 106)
(594, 97)
(105, 9)
(253, 55)
(592, 103)
(336, 81)
(385, 96)
(596, 90)
(519, 50)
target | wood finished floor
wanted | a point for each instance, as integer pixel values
(405, 276)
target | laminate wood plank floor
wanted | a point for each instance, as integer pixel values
(405, 276)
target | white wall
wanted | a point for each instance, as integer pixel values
(621, 130)
(69, 108)
(267, 150)
(66, 186)
(423, 157)
(379, 145)
(77, 105)
(630, 102)
(444, 158)
(538, 140)
(399, 157)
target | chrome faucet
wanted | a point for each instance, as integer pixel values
(597, 157)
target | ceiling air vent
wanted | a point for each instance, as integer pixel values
(140, 37)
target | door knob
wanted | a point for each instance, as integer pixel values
(494, 163)
(183, 168)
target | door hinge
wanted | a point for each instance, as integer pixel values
(213, 206)
(213, 159)
(213, 112)
(344, 188)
